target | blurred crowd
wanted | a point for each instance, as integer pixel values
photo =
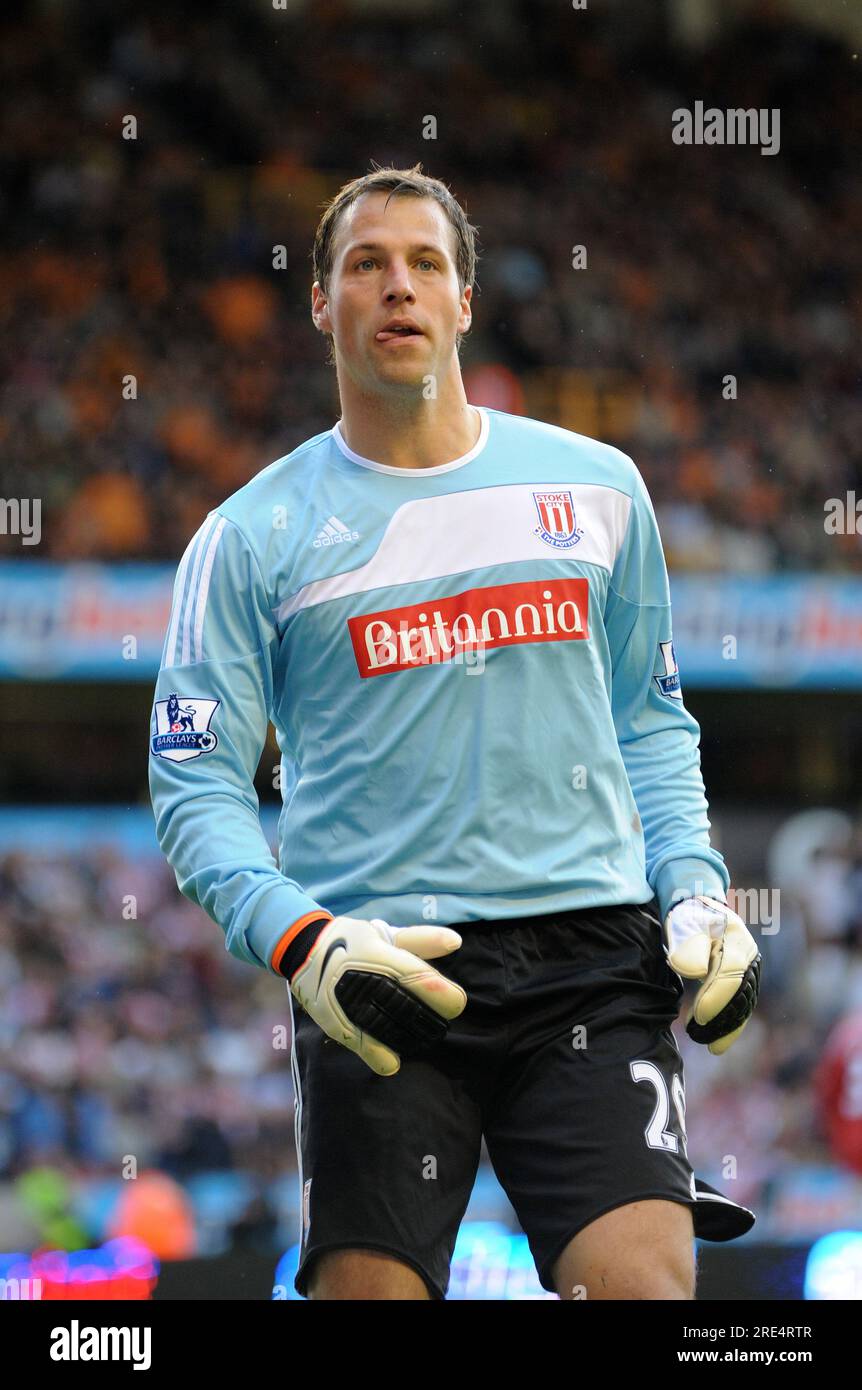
(153, 359)
(789, 1091)
(126, 1031)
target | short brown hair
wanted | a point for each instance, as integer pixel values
(401, 182)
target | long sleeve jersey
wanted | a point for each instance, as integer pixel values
(471, 675)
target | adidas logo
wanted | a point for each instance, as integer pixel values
(334, 533)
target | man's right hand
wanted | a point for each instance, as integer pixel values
(369, 988)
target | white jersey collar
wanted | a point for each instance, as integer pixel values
(414, 472)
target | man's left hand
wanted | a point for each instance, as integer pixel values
(705, 940)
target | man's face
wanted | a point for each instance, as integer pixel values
(393, 261)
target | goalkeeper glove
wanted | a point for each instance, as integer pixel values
(706, 941)
(369, 988)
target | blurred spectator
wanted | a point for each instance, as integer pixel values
(155, 1210)
(839, 1091)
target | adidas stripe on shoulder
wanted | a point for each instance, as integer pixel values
(184, 642)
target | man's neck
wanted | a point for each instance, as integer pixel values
(409, 433)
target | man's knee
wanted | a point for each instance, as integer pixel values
(364, 1274)
(632, 1277)
(643, 1250)
(649, 1279)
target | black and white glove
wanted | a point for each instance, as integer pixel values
(705, 940)
(369, 988)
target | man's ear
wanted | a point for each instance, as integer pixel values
(320, 309)
(465, 317)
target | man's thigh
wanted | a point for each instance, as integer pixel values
(642, 1250)
(387, 1165)
(363, 1274)
(588, 1117)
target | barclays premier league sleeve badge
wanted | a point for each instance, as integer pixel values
(183, 728)
(668, 682)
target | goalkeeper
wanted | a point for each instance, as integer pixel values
(494, 865)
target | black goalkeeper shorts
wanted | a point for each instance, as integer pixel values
(563, 1059)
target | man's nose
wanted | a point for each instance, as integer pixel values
(398, 284)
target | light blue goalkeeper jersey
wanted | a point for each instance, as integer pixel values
(471, 674)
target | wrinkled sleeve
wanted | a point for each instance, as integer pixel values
(659, 739)
(209, 722)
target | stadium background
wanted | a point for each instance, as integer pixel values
(155, 357)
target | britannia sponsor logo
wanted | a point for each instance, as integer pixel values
(440, 630)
